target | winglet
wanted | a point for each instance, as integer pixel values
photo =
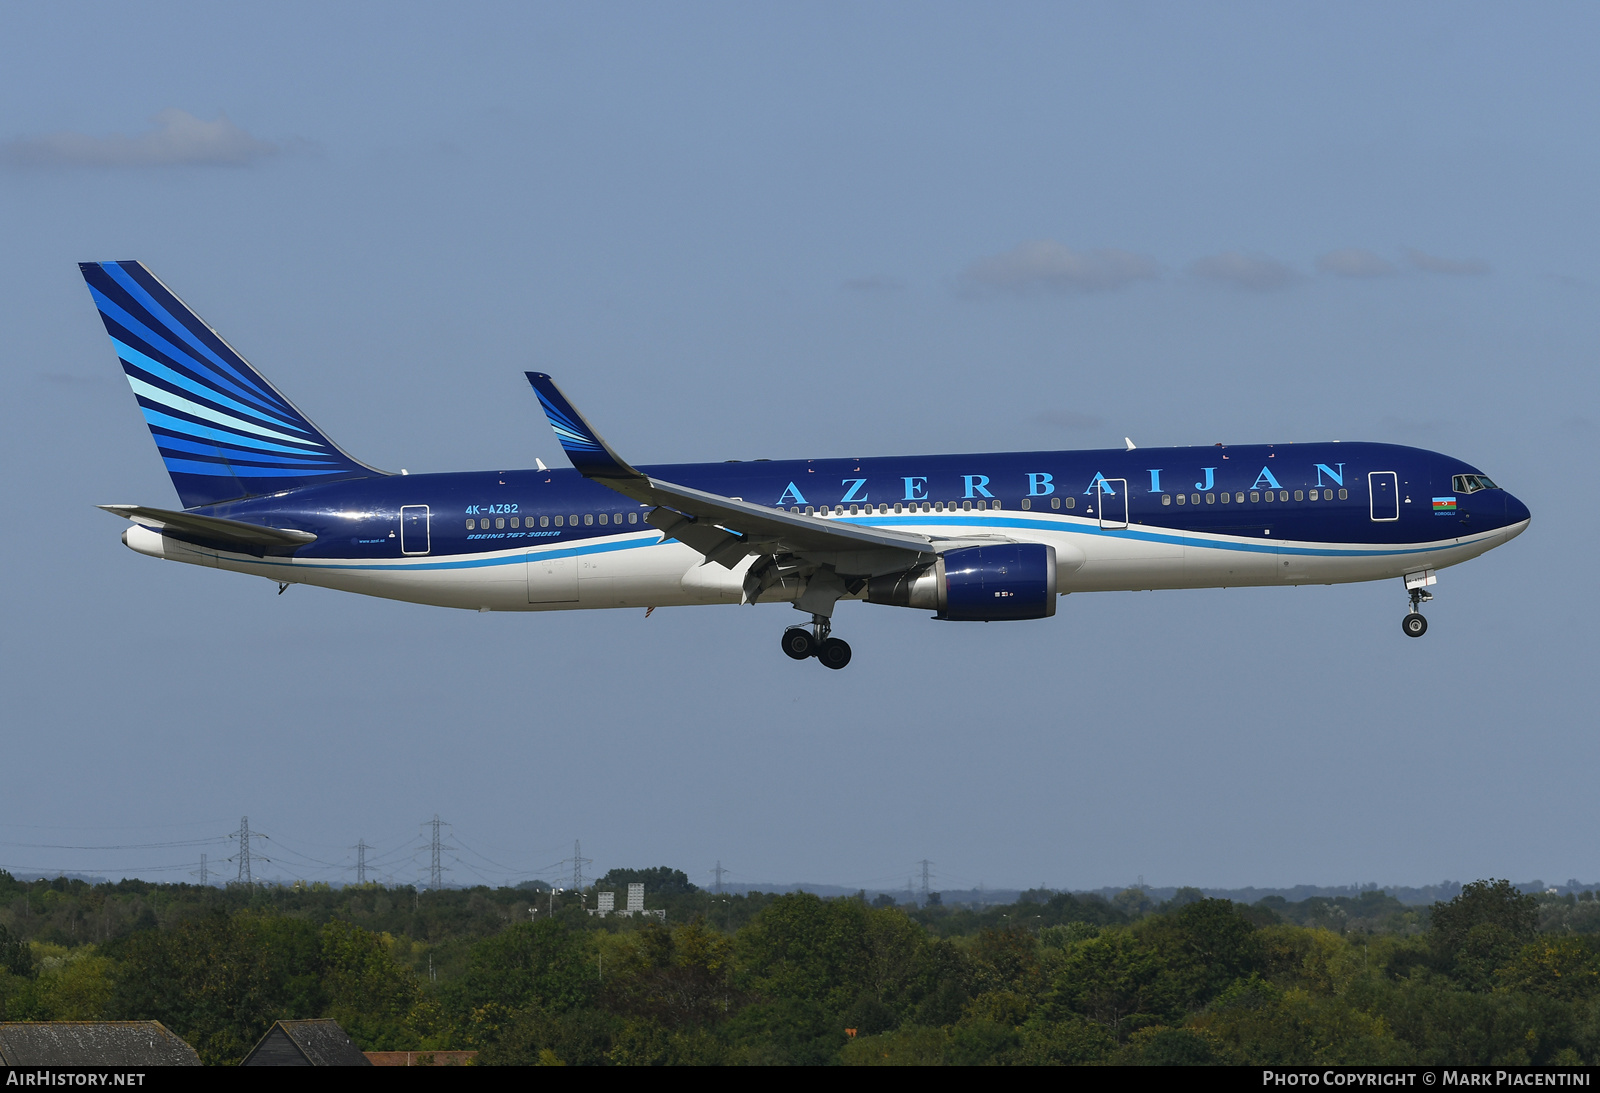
(591, 455)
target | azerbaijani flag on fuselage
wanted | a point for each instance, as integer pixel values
(1444, 506)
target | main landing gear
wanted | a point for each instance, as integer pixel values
(802, 644)
(1414, 624)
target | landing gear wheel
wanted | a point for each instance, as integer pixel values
(1414, 625)
(799, 643)
(834, 653)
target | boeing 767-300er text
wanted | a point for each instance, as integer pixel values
(986, 537)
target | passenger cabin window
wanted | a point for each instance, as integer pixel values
(1211, 499)
(500, 523)
(1268, 496)
(1299, 495)
(1183, 499)
(1344, 495)
(1026, 504)
(544, 521)
(471, 524)
(1055, 502)
(603, 517)
(1255, 495)
(1071, 502)
(588, 519)
(633, 517)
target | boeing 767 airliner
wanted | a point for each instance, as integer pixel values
(985, 537)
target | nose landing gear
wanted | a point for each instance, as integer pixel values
(802, 644)
(1414, 624)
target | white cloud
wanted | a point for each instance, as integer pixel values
(1251, 271)
(178, 138)
(1434, 264)
(1355, 262)
(1046, 264)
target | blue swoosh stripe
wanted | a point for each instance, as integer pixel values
(185, 406)
(157, 312)
(460, 562)
(1175, 538)
(155, 341)
(464, 562)
(234, 470)
(265, 458)
(157, 420)
(157, 370)
(572, 437)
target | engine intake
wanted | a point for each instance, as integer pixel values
(977, 584)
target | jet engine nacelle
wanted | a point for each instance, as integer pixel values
(977, 584)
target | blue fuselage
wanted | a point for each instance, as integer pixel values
(1251, 493)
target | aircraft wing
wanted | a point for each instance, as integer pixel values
(212, 528)
(725, 529)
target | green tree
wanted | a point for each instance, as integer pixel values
(374, 999)
(220, 981)
(1482, 929)
(1557, 967)
(1117, 980)
(833, 952)
(660, 881)
(1205, 945)
(14, 954)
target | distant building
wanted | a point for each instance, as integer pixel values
(306, 1043)
(607, 904)
(93, 1043)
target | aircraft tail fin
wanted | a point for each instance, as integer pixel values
(222, 429)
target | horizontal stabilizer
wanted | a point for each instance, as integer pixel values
(212, 528)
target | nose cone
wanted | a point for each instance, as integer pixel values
(1517, 515)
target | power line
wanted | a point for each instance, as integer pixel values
(244, 836)
(203, 873)
(361, 861)
(926, 865)
(578, 862)
(121, 846)
(435, 867)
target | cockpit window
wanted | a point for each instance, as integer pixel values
(1472, 483)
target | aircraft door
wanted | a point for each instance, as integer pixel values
(552, 580)
(414, 530)
(1384, 489)
(1111, 502)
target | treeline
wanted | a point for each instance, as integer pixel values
(1493, 976)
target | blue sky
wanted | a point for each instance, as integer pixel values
(736, 231)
